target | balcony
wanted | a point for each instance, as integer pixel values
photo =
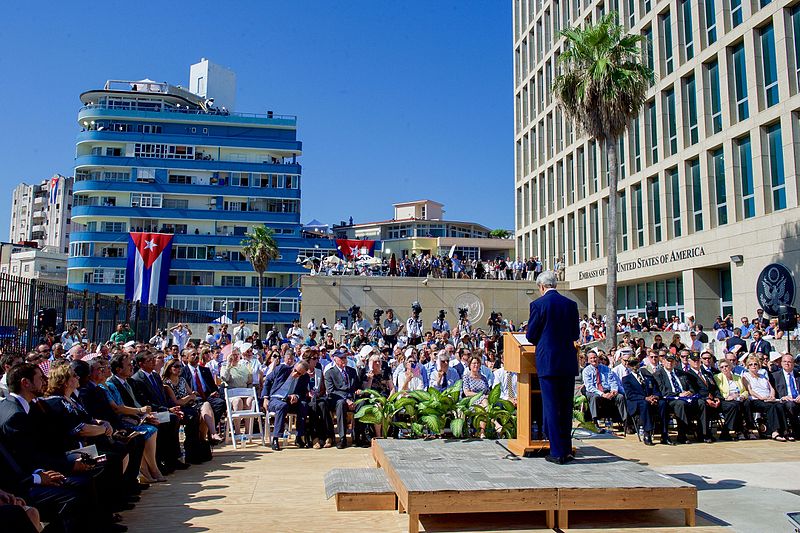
(168, 113)
(186, 164)
(181, 188)
(79, 213)
(244, 141)
(39, 201)
(38, 214)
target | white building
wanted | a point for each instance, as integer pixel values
(708, 192)
(37, 264)
(40, 214)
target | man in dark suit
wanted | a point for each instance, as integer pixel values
(736, 340)
(759, 345)
(710, 400)
(643, 398)
(787, 389)
(677, 391)
(285, 389)
(553, 327)
(341, 384)
(202, 383)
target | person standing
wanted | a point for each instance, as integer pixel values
(553, 329)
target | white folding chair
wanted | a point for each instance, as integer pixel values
(249, 415)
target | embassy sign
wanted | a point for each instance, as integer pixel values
(644, 262)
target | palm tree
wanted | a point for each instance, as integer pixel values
(602, 88)
(500, 233)
(260, 248)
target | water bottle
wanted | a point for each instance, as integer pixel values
(641, 433)
(535, 431)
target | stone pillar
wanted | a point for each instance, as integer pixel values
(701, 294)
(596, 299)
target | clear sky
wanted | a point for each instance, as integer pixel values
(396, 100)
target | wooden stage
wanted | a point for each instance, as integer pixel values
(457, 476)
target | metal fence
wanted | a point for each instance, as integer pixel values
(30, 308)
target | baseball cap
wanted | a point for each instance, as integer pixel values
(340, 353)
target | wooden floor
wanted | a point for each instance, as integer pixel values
(257, 490)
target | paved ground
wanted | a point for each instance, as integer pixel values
(744, 486)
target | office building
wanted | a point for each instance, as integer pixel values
(708, 189)
(156, 157)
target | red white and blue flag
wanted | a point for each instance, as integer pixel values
(146, 278)
(54, 189)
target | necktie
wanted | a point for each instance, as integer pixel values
(702, 377)
(127, 387)
(639, 378)
(510, 385)
(675, 383)
(198, 384)
(345, 378)
(792, 386)
(599, 381)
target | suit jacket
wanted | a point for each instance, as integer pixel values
(24, 438)
(780, 384)
(335, 385)
(736, 341)
(761, 346)
(127, 399)
(553, 327)
(209, 386)
(146, 394)
(663, 381)
(705, 387)
(95, 400)
(278, 377)
(635, 391)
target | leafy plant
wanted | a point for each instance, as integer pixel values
(378, 409)
(580, 404)
(442, 409)
(498, 416)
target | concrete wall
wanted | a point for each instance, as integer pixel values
(324, 296)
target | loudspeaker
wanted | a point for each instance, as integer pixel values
(787, 317)
(651, 308)
(46, 319)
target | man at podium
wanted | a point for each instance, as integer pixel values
(553, 327)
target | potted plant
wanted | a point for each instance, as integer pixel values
(382, 411)
(498, 416)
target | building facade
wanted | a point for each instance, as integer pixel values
(155, 157)
(41, 214)
(708, 189)
(419, 227)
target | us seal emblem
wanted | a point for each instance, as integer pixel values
(775, 287)
(473, 304)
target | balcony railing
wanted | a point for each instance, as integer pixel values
(158, 107)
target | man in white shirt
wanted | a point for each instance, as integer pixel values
(338, 330)
(312, 326)
(241, 332)
(508, 384)
(295, 334)
(180, 335)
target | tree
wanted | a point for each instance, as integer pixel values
(602, 88)
(260, 248)
(500, 233)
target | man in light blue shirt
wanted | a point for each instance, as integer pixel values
(602, 388)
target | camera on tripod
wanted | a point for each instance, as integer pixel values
(494, 319)
(442, 313)
(353, 312)
(377, 315)
(462, 313)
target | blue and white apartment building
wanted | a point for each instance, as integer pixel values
(155, 157)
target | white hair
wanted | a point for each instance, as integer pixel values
(547, 279)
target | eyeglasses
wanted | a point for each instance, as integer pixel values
(753, 364)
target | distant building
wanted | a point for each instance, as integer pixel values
(37, 264)
(418, 227)
(41, 214)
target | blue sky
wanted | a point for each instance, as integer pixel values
(395, 101)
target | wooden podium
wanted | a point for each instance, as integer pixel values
(519, 356)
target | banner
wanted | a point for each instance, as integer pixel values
(352, 249)
(146, 277)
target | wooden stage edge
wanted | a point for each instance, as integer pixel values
(530, 484)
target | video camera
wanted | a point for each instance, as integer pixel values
(493, 318)
(462, 313)
(377, 315)
(353, 312)
(442, 313)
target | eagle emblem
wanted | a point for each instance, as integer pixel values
(775, 288)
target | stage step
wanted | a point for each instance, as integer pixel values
(360, 489)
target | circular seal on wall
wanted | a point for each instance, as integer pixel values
(775, 287)
(472, 303)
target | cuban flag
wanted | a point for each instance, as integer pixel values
(146, 278)
(54, 189)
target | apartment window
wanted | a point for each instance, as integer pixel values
(716, 99)
(119, 276)
(233, 281)
(637, 145)
(145, 200)
(740, 81)
(711, 22)
(746, 177)
(654, 198)
(675, 193)
(718, 168)
(672, 131)
(736, 13)
(697, 194)
(796, 35)
(688, 36)
(622, 218)
(777, 178)
(638, 215)
(653, 137)
(690, 97)
(666, 31)
(770, 65)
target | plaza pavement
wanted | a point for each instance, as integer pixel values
(746, 486)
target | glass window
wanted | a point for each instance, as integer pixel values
(691, 108)
(621, 157)
(770, 66)
(595, 230)
(746, 177)
(697, 194)
(666, 30)
(718, 168)
(777, 178)
(637, 214)
(672, 131)
(637, 145)
(647, 46)
(622, 218)
(736, 12)
(653, 137)
(796, 35)
(675, 188)
(711, 22)
(762, 3)
(740, 81)
(688, 36)
(716, 100)
(654, 198)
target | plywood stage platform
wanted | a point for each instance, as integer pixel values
(441, 476)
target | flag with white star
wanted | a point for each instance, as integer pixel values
(146, 278)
